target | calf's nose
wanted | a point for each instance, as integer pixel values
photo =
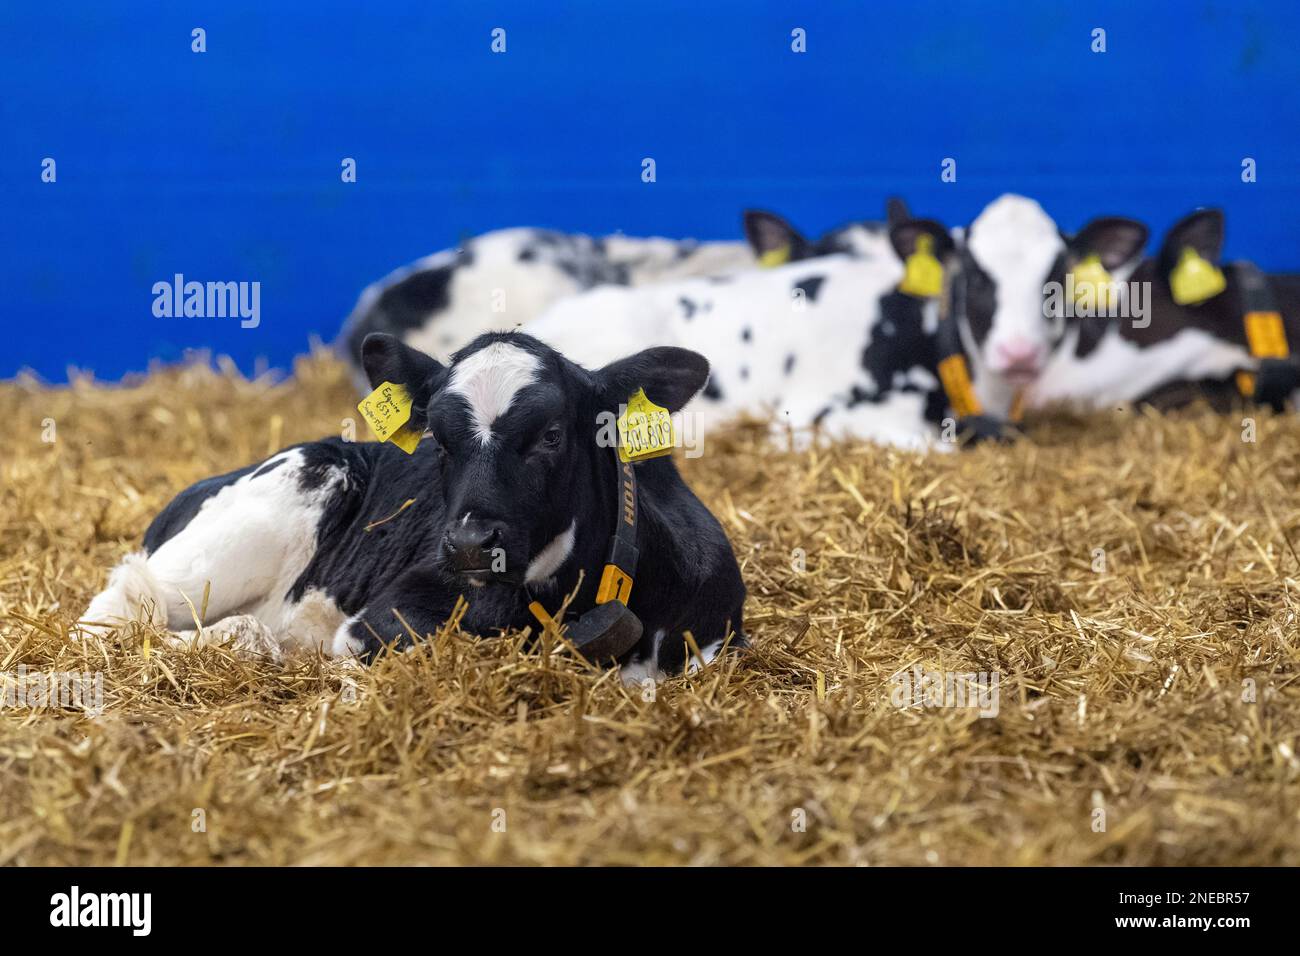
(1019, 353)
(468, 543)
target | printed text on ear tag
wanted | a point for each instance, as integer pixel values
(387, 410)
(774, 257)
(1092, 283)
(923, 275)
(645, 430)
(1195, 279)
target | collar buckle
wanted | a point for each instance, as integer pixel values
(610, 629)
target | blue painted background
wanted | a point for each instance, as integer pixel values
(225, 165)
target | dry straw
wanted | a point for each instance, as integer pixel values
(1149, 710)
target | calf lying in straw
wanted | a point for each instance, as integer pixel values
(515, 498)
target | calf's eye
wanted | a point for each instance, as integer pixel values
(551, 437)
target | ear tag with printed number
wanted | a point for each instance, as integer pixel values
(1195, 279)
(645, 430)
(1092, 279)
(774, 257)
(387, 410)
(923, 275)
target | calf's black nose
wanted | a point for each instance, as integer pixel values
(469, 544)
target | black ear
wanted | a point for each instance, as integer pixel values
(670, 376)
(768, 234)
(1202, 231)
(387, 358)
(896, 211)
(1112, 239)
(904, 236)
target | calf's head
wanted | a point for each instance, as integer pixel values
(1009, 259)
(775, 241)
(515, 428)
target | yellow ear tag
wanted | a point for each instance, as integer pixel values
(1092, 280)
(645, 430)
(1195, 279)
(387, 410)
(923, 275)
(774, 257)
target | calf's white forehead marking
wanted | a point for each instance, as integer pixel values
(1013, 233)
(1016, 243)
(489, 379)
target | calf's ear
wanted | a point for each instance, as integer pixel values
(670, 376)
(896, 211)
(1202, 231)
(772, 238)
(386, 358)
(906, 234)
(1112, 239)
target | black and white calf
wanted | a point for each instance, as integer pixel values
(787, 340)
(775, 241)
(501, 279)
(1165, 353)
(507, 500)
(829, 340)
(1011, 258)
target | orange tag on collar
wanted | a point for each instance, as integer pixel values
(1266, 335)
(957, 385)
(614, 585)
(387, 410)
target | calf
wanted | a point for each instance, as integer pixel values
(1178, 351)
(508, 501)
(788, 339)
(1012, 256)
(502, 279)
(837, 341)
(776, 242)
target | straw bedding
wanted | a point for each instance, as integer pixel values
(1148, 699)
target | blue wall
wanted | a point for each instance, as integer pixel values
(225, 165)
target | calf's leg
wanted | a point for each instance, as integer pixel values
(247, 539)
